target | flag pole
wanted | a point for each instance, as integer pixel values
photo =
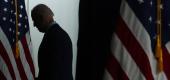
(158, 38)
(16, 25)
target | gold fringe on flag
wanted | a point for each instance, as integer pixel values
(16, 44)
(159, 41)
(159, 54)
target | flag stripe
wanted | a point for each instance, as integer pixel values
(115, 70)
(168, 47)
(135, 50)
(125, 60)
(161, 76)
(25, 63)
(107, 76)
(137, 29)
(20, 68)
(8, 49)
(4, 56)
(28, 55)
(166, 59)
(2, 77)
(4, 69)
(28, 40)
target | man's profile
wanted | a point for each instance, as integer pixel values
(55, 51)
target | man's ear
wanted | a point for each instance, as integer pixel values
(49, 18)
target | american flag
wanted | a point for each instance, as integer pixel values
(12, 67)
(134, 41)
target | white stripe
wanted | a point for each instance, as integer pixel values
(4, 69)
(168, 47)
(25, 63)
(107, 76)
(125, 60)
(8, 49)
(161, 76)
(139, 32)
(30, 46)
(29, 43)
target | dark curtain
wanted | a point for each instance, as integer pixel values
(97, 20)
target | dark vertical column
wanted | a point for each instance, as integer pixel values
(96, 25)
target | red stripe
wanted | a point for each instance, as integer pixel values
(20, 66)
(5, 57)
(134, 48)
(166, 59)
(28, 55)
(2, 77)
(115, 69)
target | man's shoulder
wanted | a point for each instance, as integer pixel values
(57, 32)
(56, 28)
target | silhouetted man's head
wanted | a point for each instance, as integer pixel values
(42, 16)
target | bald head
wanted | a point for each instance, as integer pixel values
(42, 16)
(42, 10)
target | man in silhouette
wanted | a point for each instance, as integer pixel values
(55, 51)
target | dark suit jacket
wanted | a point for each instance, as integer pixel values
(55, 55)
